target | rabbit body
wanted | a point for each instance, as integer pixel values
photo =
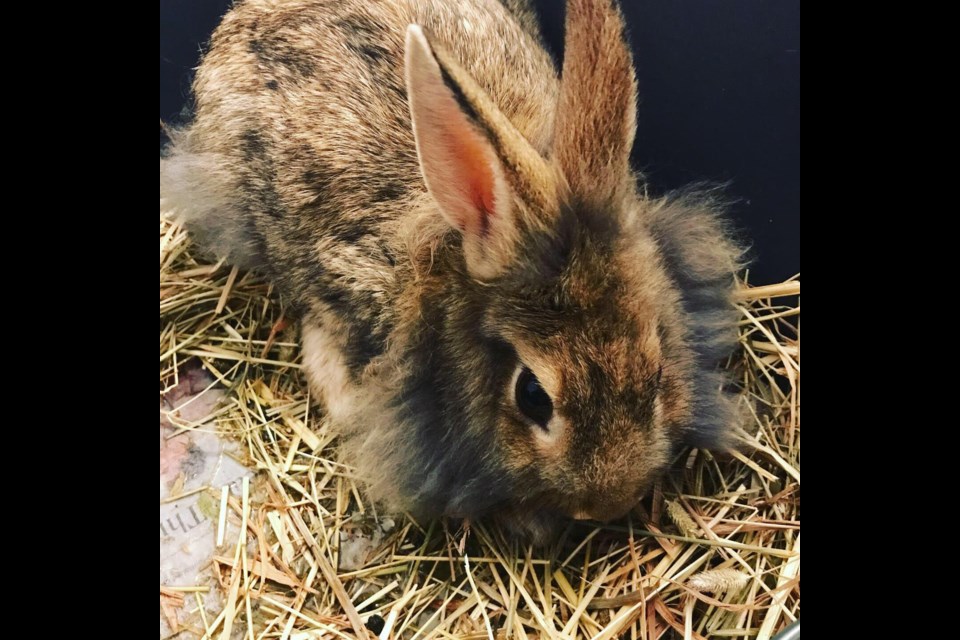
(451, 221)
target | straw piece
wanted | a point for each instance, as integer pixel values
(394, 612)
(680, 517)
(718, 581)
(787, 573)
(222, 302)
(330, 576)
(222, 522)
(791, 288)
(268, 572)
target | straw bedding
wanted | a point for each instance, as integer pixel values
(712, 552)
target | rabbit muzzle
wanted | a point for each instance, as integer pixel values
(604, 507)
(602, 513)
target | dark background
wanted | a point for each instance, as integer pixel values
(719, 100)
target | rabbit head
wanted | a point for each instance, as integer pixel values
(572, 352)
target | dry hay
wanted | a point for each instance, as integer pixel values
(712, 552)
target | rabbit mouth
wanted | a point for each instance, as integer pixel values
(599, 514)
(602, 509)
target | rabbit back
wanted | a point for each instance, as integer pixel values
(301, 151)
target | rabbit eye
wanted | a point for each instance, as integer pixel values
(532, 400)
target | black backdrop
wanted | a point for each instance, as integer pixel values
(719, 100)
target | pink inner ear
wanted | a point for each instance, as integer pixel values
(470, 155)
(483, 201)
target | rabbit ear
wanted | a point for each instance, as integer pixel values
(489, 182)
(596, 115)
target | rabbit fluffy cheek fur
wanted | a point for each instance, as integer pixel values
(494, 316)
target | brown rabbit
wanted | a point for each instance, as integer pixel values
(495, 316)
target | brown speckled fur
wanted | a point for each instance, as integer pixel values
(301, 162)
